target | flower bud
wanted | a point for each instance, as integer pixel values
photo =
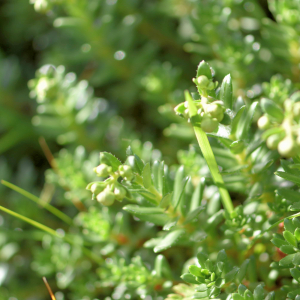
(203, 82)
(120, 193)
(98, 187)
(103, 170)
(263, 122)
(273, 141)
(287, 147)
(126, 172)
(106, 197)
(216, 111)
(208, 124)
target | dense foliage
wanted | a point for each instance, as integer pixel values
(194, 107)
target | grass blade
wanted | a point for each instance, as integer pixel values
(37, 200)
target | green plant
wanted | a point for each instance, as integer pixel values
(196, 191)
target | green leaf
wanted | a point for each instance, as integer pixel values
(293, 294)
(158, 173)
(237, 297)
(202, 257)
(242, 272)
(226, 92)
(222, 256)
(252, 273)
(287, 262)
(296, 259)
(147, 181)
(110, 160)
(162, 267)
(204, 69)
(170, 224)
(289, 225)
(289, 237)
(166, 200)
(193, 214)
(289, 177)
(129, 151)
(214, 220)
(171, 239)
(236, 119)
(297, 234)
(220, 282)
(154, 215)
(194, 270)
(295, 207)
(178, 185)
(260, 167)
(197, 195)
(288, 194)
(231, 275)
(271, 296)
(288, 249)
(278, 242)
(189, 278)
(295, 272)
(181, 195)
(259, 293)
(237, 147)
(248, 295)
(135, 163)
(242, 289)
(272, 109)
(245, 121)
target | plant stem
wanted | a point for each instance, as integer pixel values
(209, 156)
(31, 222)
(49, 230)
(213, 167)
(37, 200)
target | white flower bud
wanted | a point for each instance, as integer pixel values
(120, 193)
(208, 124)
(106, 197)
(203, 82)
(273, 141)
(126, 172)
(263, 122)
(103, 170)
(287, 147)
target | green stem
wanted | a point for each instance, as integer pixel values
(213, 167)
(49, 230)
(31, 222)
(271, 227)
(209, 156)
(37, 200)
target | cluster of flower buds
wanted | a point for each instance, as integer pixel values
(210, 110)
(281, 125)
(46, 84)
(210, 113)
(109, 190)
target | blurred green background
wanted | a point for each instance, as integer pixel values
(119, 67)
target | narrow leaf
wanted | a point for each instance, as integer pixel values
(226, 92)
(110, 160)
(171, 239)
